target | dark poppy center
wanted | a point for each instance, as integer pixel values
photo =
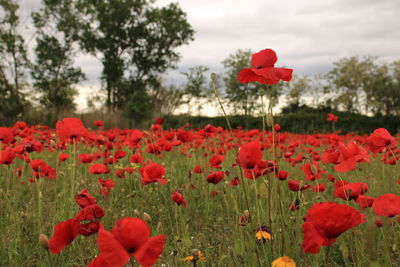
(259, 67)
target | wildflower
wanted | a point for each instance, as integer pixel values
(152, 173)
(70, 128)
(6, 135)
(283, 262)
(250, 155)
(387, 205)
(263, 71)
(98, 123)
(178, 198)
(262, 234)
(332, 118)
(130, 236)
(379, 139)
(325, 222)
(215, 177)
(98, 168)
(196, 256)
(64, 233)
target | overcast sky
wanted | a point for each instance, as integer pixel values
(307, 35)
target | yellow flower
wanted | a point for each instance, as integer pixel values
(284, 262)
(197, 255)
(263, 235)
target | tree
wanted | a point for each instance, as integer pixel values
(244, 96)
(14, 62)
(297, 88)
(134, 40)
(195, 88)
(54, 75)
(363, 85)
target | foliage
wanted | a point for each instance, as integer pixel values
(54, 75)
(297, 119)
(134, 40)
(364, 85)
(13, 63)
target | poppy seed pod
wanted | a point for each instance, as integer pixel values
(44, 241)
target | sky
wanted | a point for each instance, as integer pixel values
(307, 35)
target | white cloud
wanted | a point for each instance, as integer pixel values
(308, 35)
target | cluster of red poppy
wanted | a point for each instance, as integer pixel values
(123, 153)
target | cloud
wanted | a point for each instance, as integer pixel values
(308, 35)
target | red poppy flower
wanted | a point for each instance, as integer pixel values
(86, 158)
(364, 201)
(98, 168)
(37, 164)
(119, 154)
(64, 234)
(282, 175)
(277, 127)
(332, 118)
(235, 181)
(263, 71)
(89, 229)
(6, 135)
(250, 155)
(152, 173)
(90, 212)
(137, 158)
(324, 222)
(160, 121)
(7, 156)
(379, 139)
(216, 160)
(215, 177)
(178, 198)
(387, 205)
(84, 199)
(63, 157)
(70, 128)
(350, 155)
(98, 123)
(349, 191)
(130, 236)
(312, 171)
(319, 188)
(198, 169)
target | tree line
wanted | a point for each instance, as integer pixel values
(135, 42)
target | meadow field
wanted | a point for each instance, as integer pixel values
(210, 197)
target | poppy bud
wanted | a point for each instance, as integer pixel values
(246, 213)
(159, 226)
(136, 212)
(379, 223)
(146, 217)
(44, 241)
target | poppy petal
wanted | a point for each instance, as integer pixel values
(111, 250)
(347, 165)
(150, 251)
(247, 76)
(264, 58)
(268, 74)
(312, 239)
(99, 261)
(284, 74)
(64, 233)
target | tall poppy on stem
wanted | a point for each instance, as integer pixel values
(263, 71)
